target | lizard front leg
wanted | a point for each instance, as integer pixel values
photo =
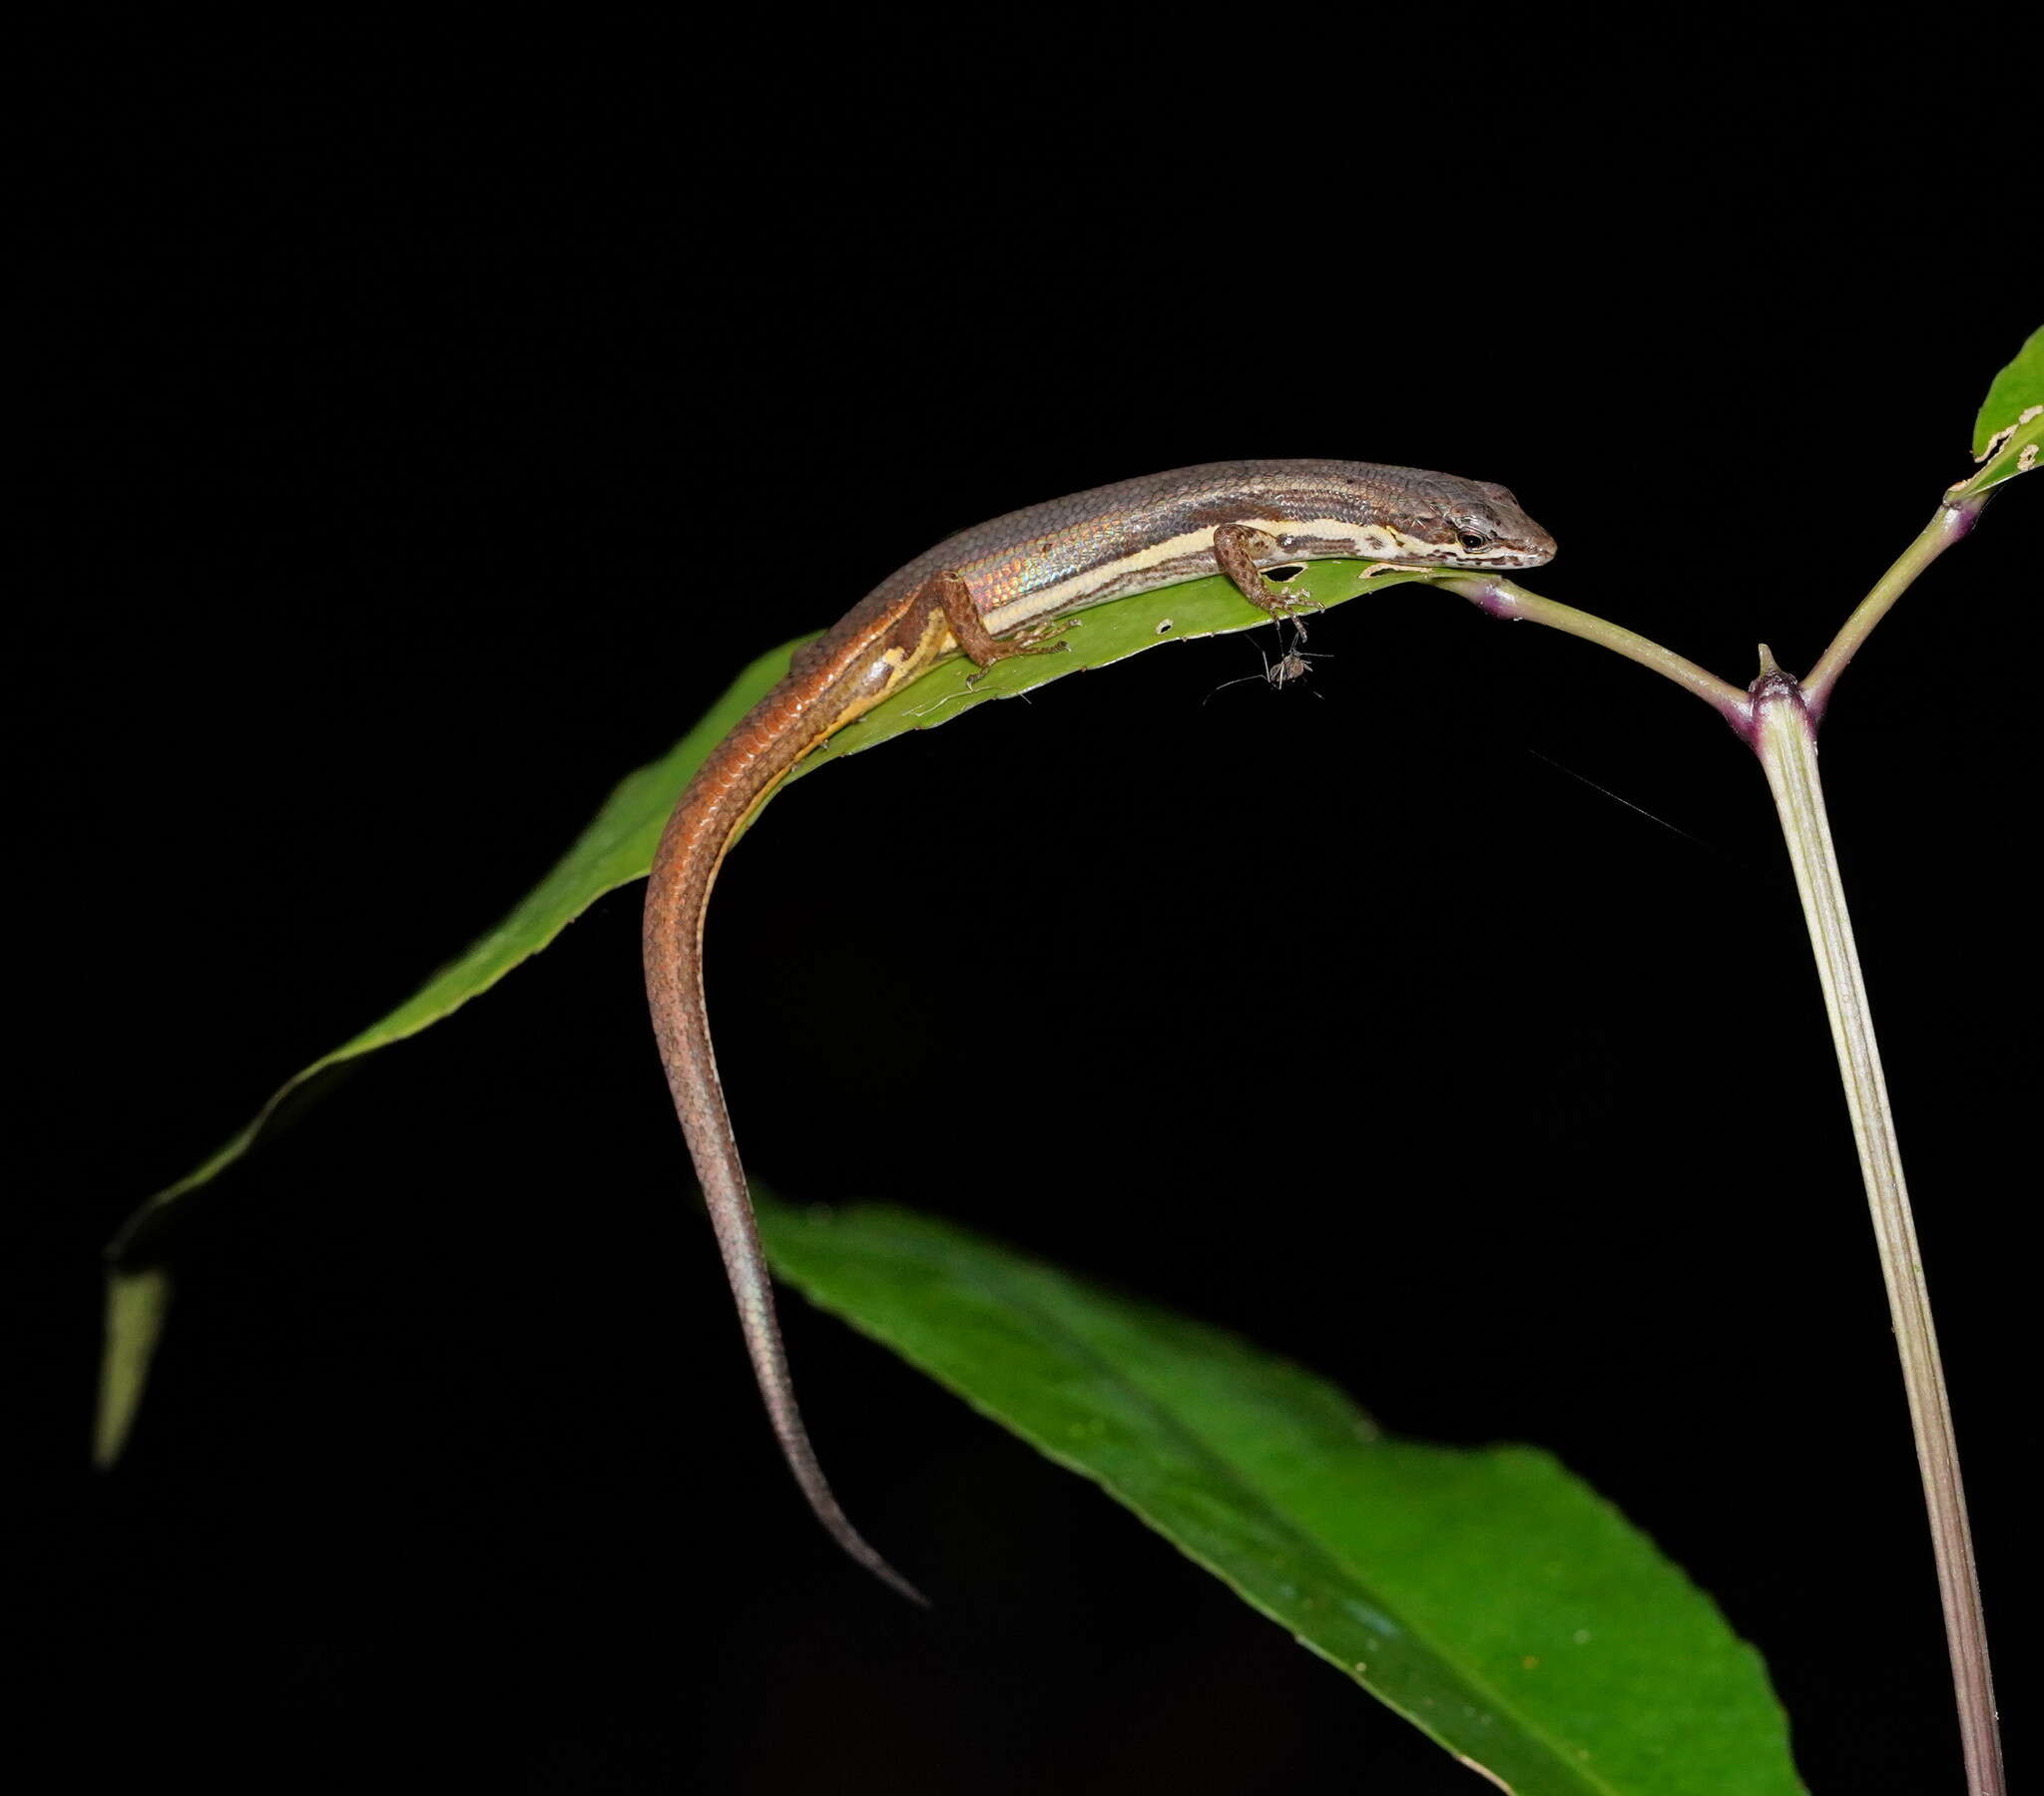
(1237, 549)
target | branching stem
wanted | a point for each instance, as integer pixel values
(1777, 717)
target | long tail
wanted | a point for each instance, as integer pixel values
(725, 791)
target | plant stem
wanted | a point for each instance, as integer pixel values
(1503, 599)
(1784, 735)
(1779, 721)
(1953, 521)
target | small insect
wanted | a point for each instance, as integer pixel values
(1293, 664)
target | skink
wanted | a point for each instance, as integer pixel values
(997, 590)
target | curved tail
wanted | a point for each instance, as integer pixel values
(725, 791)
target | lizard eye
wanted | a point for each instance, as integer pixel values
(1472, 542)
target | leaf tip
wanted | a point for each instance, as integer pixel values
(137, 1302)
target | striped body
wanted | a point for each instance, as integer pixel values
(1048, 560)
(1018, 572)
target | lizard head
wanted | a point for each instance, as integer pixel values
(1478, 524)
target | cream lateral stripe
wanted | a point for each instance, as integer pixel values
(1156, 564)
(902, 664)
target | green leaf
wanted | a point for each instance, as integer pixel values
(615, 849)
(2008, 435)
(1488, 1597)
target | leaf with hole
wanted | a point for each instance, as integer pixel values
(2008, 435)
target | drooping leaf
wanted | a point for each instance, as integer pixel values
(615, 849)
(1487, 1595)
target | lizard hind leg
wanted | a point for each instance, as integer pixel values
(981, 646)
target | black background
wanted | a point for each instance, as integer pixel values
(436, 431)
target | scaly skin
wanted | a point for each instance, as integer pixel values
(1021, 572)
